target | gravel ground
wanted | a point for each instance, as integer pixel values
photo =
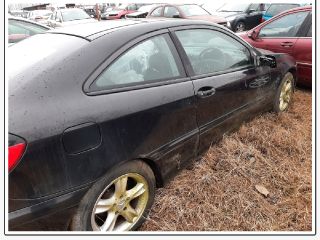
(256, 179)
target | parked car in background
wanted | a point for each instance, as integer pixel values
(185, 11)
(69, 16)
(19, 13)
(289, 32)
(142, 12)
(40, 16)
(20, 28)
(91, 11)
(276, 8)
(242, 16)
(128, 109)
(121, 11)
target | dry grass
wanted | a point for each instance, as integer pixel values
(218, 193)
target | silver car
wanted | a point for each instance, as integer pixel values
(67, 17)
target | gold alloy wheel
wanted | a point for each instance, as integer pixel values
(285, 94)
(121, 204)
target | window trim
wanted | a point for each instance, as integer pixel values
(185, 58)
(136, 85)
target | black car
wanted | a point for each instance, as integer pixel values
(101, 114)
(242, 16)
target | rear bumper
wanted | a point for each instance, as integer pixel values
(53, 214)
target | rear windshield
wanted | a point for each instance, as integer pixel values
(39, 49)
(76, 14)
(275, 9)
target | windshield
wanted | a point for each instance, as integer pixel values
(146, 8)
(74, 14)
(193, 10)
(41, 12)
(231, 7)
(122, 7)
(275, 9)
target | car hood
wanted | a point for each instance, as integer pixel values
(69, 23)
(210, 18)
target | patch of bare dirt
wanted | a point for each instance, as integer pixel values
(257, 179)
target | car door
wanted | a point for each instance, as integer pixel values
(280, 35)
(303, 54)
(227, 83)
(147, 103)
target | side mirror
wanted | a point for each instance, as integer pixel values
(253, 35)
(268, 60)
(251, 11)
(176, 15)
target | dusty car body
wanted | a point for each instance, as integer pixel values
(148, 102)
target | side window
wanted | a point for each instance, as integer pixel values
(211, 51)
(150, 60)
(169, 12)
(286, 26)
(254, 6)
(156, 12)
(24, 29)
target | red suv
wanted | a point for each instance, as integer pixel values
(288, 32)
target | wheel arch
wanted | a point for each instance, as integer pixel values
(293, 71)
(155, 169)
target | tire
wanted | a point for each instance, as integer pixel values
(122, 209)
(240, 27)
(284, 93)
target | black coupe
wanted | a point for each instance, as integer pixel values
(100, 114)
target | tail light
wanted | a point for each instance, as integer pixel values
(17, 147)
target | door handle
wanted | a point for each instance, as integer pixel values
(205, 92)
(286, 44)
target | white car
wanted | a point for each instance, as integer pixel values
(69, 16)
(40, 16)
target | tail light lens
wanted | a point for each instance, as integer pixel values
(16, 149)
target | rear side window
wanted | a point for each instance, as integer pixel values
(156, 12)
(211, 51)
(286, 26)
(150, 60)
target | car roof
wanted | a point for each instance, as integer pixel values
(91, 31)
